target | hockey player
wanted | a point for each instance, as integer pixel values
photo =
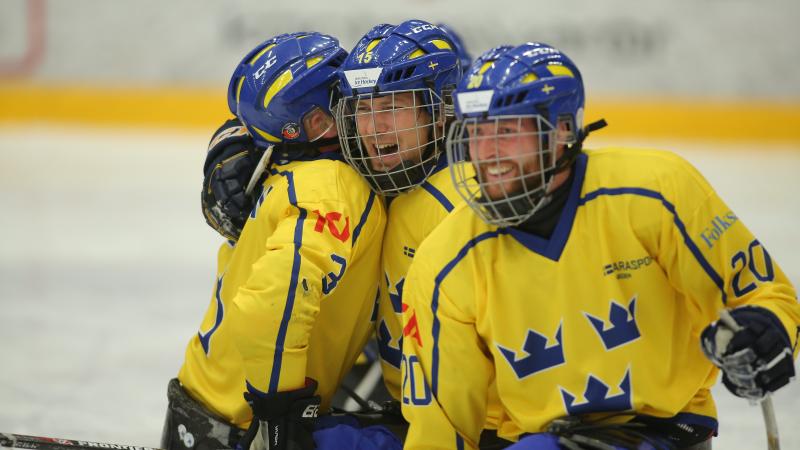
(580, 281)
(291, 306)
(397, 85)
(396, 103)
(392, 128)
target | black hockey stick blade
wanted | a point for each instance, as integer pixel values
(23, 442)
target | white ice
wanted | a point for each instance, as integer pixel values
(106, 267)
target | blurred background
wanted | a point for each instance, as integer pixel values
(106, 108)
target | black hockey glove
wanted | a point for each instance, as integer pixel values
(756, 359)
(285, 420)
(230, 162)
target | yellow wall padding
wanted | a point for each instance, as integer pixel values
(206, 108)
(712, 119)
(144, 106)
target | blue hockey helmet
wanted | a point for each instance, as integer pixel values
(412, 55)
(533, 78)
(281, 81)
(519, 121)
(396, 85)
(458, 46)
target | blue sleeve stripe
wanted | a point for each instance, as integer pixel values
(435, 300)
(459, 441)
(205, 338)
(364, 216)
(253, 390)
(287, 312)
(687, 240)
(437, 194)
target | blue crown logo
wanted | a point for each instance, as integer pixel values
(397, 298)
(596, 396)
(389, 353)
(536, 355)
(623, 327)
(205, 338)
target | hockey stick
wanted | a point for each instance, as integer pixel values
(364, 388)
(23, 442)
(767, 410)
(260, 168)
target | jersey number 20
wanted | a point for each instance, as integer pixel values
(762, 270)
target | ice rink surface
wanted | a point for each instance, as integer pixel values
(106, 268)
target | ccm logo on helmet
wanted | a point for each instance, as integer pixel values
(267, 64)
(540, 51)
(422, 28)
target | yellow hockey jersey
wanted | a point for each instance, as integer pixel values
(604, 317)
(412, 217)
(293, 298)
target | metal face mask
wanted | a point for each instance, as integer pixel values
(514, 159)
(392, 139)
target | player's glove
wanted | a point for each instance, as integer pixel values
(756, 359)
(231, 159)
(285, 420)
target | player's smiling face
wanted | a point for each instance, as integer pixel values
(506, 154)
(393, 128)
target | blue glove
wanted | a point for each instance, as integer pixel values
(757, 358)
(230, 162)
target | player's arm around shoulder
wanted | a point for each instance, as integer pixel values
(298, 265)
(333, 192)
(444, 370)
(345, 225)
(344, 219)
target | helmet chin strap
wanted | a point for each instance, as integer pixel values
(566, 160)
(300, 150)
(544, 216)
(572, 151)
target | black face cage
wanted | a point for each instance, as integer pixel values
(501, 171)
(389, 141)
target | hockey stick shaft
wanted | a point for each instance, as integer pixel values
(767, 410)
(770, 423)
(24, 442)
(364, 389)
(260, 168)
